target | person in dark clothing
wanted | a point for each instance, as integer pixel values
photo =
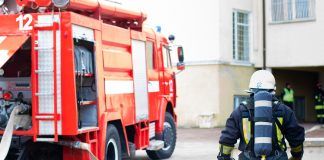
(319, 106)
(241, 125)
(287, 96)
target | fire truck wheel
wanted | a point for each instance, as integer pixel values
(113, 145)
(169, 137)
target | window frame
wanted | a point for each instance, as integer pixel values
(291, 12)
(154, 66)
(166, 57)
(239, 99)
(235, 55)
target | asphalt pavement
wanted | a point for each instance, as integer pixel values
(202, 144)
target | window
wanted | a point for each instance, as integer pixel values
(150, 55)
(166, 57)
(241, 36)
(292, 10)
(239, 99)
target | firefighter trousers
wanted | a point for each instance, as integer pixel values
(320, 113)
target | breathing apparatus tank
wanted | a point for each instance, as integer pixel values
(263, 126)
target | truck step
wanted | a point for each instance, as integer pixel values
(45, 117)
(44, 94)
(45, 139)
(44, 71)
(43, 48)
(155, 145)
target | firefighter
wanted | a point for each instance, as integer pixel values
(241, 125)
(319, 107)
(287, 96)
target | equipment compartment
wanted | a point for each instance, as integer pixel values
(15, 88)
(86, 88)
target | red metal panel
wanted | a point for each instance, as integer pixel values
(69, 103)
(84, 21)
(115, 36)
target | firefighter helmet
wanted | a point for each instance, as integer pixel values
(262, 79)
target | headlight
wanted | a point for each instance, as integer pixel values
(1, 2)
(60, 3)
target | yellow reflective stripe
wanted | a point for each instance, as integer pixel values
(318, 107)
(246, 130)
(320, 116)
(227, 150)
(297, 149)
(279, 134)
(263, 157)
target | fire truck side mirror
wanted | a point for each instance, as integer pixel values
(180, 65)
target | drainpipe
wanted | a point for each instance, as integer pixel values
(264, 35)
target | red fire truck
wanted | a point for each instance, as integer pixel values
(89, 80)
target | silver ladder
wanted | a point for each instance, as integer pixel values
(46, 116)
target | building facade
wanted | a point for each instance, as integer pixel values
(295, 50)
(223, 42)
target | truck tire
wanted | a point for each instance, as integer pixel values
(169, 137)
(113, 144)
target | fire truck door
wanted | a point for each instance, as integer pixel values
(168, 81)
(140, 80)
(153, 79)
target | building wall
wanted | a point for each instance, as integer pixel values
(226, 28)
(295, 44)
(209, 90)
(198, 94)
(195, 24)
(233, 81)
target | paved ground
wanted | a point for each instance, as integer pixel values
(195, 144)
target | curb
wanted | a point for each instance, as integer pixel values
(314, 142)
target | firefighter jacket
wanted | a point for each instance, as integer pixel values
(238, 126)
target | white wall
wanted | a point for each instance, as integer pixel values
(226, 28)
(203, 27)
(194, 23)
(296, 44)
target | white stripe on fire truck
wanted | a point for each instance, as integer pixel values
(125, 87)
(2, 38)
(3, 57)
(154, 86)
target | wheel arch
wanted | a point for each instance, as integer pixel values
(165, 106)
(170, 109)
(122, 134)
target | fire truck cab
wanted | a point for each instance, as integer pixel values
(83, 79)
